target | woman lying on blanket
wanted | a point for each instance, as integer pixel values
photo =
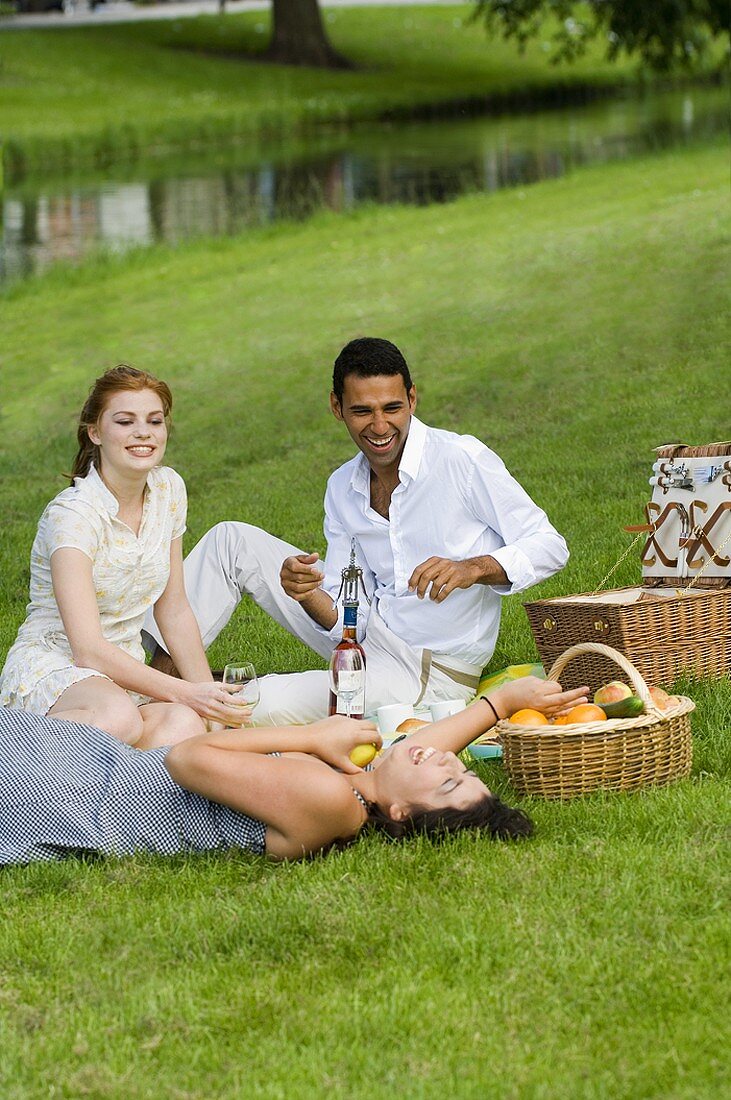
(66, 788)
(107, 549)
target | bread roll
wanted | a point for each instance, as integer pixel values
(411, 724)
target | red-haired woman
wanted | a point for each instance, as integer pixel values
(107, 549)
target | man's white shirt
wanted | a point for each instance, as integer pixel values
(455, 499)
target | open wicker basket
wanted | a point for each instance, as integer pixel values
(620, 754)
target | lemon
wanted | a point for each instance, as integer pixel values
(362, 755)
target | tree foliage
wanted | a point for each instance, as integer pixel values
(664, 33)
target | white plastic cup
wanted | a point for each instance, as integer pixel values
(390, 717)
(445, 707)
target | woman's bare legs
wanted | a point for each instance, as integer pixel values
(168, 724)
(99, 702)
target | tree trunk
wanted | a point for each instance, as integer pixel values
(298, 36)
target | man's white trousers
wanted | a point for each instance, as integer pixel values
(234, 560)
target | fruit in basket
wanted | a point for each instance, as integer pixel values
(528, 717)
(660, 698)
(584, 712)
(631, 707)
(612, 692)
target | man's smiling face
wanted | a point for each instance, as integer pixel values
(377, 413)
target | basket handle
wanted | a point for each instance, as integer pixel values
(627, 667)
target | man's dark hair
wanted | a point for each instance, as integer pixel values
(489, 814)
(368, 357)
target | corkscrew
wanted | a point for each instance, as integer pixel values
(352, 581)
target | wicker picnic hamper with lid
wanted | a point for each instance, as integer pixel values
(663, 635)
(619, 754)
(679, 621)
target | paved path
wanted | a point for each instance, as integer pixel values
(123, 11)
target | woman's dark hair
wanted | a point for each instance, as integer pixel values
(368, 357)
(122, 377)
(489, 814)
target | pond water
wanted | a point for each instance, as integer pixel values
(409, 162)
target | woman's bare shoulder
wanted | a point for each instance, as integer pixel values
(323, 809)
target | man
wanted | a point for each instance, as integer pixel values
(443, 532)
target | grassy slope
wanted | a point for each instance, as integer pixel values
(573, 326)
(533, 320)
(100, 93)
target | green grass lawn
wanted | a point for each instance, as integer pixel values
(573, 326)
(95, 95)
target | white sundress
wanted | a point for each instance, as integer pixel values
(130, 573)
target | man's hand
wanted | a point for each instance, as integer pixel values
(443, 576)
(299, 577)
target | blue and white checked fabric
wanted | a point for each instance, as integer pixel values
(66, 788)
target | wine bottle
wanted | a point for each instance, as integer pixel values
(348, 660)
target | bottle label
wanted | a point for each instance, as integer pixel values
(351, 686)
(357, 704)
(350, 680)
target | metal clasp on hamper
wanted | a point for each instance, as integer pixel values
(549, 625)
(601, 626)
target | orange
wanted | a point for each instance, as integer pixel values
(529, 717)
(562, 720)
(585, 712)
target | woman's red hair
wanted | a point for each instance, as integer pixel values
(112, 381)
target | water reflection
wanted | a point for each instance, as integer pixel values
(414, 163)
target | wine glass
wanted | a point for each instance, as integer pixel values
(243, 675)
(347, 675)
